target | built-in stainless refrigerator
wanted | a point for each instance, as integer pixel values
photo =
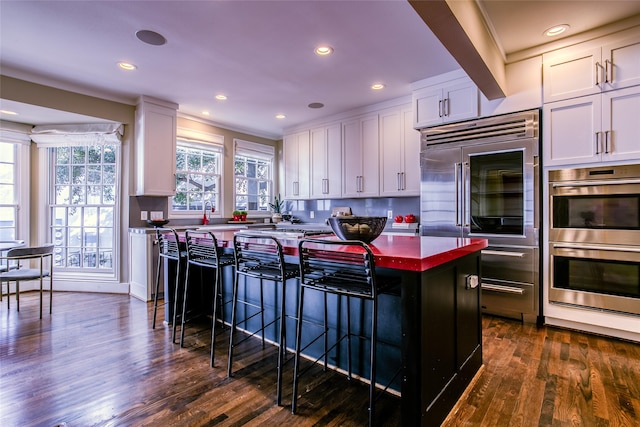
(480, 178)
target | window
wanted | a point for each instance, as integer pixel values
(84, 206)
(253, 167)
(198, 175)
(8, 191)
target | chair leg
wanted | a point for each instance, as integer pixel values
(184, 304)
(18, 295)
(50, 292)
(261, 309)
(282, 345)
(40, 296)
(372, 374)
(155, 297)
(175, 302)
(234, 304)
(349, 336)
(296, 360)
(216, 287)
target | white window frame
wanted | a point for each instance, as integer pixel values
(261, 152)
(18, 134)
(200, 140)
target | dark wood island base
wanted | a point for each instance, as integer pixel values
(438, 312)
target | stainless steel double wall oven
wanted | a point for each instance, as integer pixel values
(594, 238)
(480, 178)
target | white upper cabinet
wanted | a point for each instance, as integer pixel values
(399, 153)
(611, 63)
(596, 128)
(447, 102)
(360, 156)
(296, 165)
(326, 162)
(155, 148)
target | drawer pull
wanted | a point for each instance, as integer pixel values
(503, 253)
(503, 289)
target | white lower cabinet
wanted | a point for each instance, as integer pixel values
(399, 153)
(360, 157)
(143, 265)
(595, 128)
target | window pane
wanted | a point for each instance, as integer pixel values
(83, 206)
(253, 183)
(197, 178)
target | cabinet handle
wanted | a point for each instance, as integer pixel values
(440, 108)
(446, 107)
(599, 71)
(606, 141)
(466, 196)
(295, 188)
(458, 192)
(502, 253)
(608, 78)
(501, 288)
(597, 142)
(403, 182)
(398, 181)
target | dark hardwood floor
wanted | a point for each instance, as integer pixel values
(97, 362)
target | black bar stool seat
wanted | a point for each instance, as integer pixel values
(169, 250)
(345, 268)
(260, 257)
(203, 252)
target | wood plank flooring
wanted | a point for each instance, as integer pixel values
(97, 362)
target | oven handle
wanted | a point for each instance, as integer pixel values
(504, 253)
(598, 247)
(592, 183)
(501, 288)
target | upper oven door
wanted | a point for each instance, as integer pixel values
(601, 212)
(501, 192)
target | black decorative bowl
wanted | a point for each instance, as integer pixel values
(364, 228)
(157, 222)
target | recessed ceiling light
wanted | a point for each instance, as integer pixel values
(377, 86)
(127, 66)
(221, 97)
(151, 37)
(205, 113)
(316, 105)
(8, 113)
(280, 116)
(556, 30)
(324, 50)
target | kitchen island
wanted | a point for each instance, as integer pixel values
(432, 330)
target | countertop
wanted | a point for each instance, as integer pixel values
(409, 253)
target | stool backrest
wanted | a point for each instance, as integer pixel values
(344, 266)
(31, 252)
(201, 245)
(168, 243)
(258, 255)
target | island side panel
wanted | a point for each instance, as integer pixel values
(442, 339)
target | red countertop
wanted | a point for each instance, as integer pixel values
(410, 253)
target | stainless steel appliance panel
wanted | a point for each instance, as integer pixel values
(596, 276)
(480, 178)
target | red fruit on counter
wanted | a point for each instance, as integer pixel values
(410, 218)
(398, 218)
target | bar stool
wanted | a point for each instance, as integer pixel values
(168, 249)
(345, 268)
(203, 251)
(260, 257)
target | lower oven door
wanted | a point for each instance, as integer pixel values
(595, 276)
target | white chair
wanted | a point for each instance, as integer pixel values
(23, 273)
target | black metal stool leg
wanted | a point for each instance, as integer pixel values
(234, 304)
(175, 302)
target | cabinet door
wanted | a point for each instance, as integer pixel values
(411, 155)
(621, 124)
(568, 74)
(326, 161)
(360, 148)
(622, 63)
(427, 104)
(572, 131)
(460, 102)
(155, 150)
(391, 153)
(296, 165)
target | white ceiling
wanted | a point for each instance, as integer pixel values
(258, 53)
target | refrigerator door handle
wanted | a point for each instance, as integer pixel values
(458, 192)
(465, 196)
